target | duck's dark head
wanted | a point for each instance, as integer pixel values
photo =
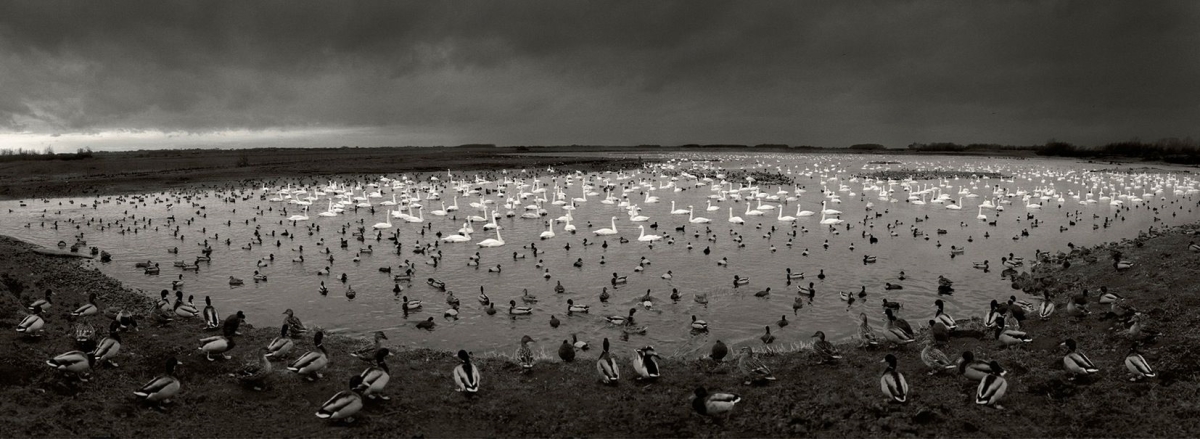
(820, 334)
(526, 339)
(1070, 344)
(890, 360)
(463, 356)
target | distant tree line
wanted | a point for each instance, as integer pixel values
(1170, 150)
(13, 155)
(955, 147)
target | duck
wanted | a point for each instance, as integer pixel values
(718, 351)
(78, 363)
(32, 324)
(515, 310)
(604, 295)
(617, 280)
(701, 298)
(295, 326)
(824, 349)
(821, 274)
(974, 369)
(892, 286)
(866, 334)
(526, 297)
(763, 293)
(88, 309)
(281, 345)
(559, 289)
(409, 305)
(375, 378)
(554, 322)
(713, 404)
(1107, 298)
(44, 303)
(1077, 305)
(466, 375)
(887, 304)
(255, 375)
(767, 338)
(211, 319)
(1046, 309)
(607, 366)
(110, 346)
(1009, 337)
(258, 277)
(723, 262)
(782, 322)
(892, 382)
(738, 280)
(160, 389)
(993, 315)
(981, 265)
(941, 317)
(699, 325)
(791, 275)
(233, 281)
(312, 362)
(1136, 364)
(525, 355)
(1076, 362)
(343, 405)
(578, 344)
(1121, 265)
(755, 371)
(897, 330)
(85, 334)
(935, 359)
(217, 344)
(992, 387)
(185, 309)
(427, 324)
(645, 363)
(622, 320)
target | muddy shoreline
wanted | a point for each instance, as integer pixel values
(559, 399)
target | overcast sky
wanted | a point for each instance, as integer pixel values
(252, 73)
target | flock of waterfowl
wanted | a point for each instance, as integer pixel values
(281, 213)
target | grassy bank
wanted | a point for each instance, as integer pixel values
(557, 399)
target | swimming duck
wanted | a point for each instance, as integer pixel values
(312, 362)
(935, 359)
(233, 281)
(797, 304)
(427, 324)
(1076, 362)
(32, 324)
(738, 280)
(281, 345)
(824, 349)
(410, 305)
(701, 298)
(699, 325)
(483, 298)
(343, 405)
(110, 346)
(783, 321)
(821, 275)
(515, 310)
(604, 295)
(713, 404)
(1137, 365)
(491, 309)
(323, 290)
(580, 345)
(887, 304)
(791, 275)
(645, 363)
(755, 371)
(88, 309)
(892, 382)
(211, 319)
(675, 295)
(217, 344)
(723, 262)
(160, 389)
(375, 378)
(525, 355)
(941, 317)
(616, 280)
(295, 327)
(622, 320)
(559, 289)
(554, 322)
(897, 330)
(763, 293)
(76, 362)
(607, 366)
(767, 338)
(992, 387)
(892, 286)
(466, 375)
(866, 334)
(528, 298)
(1009, 337)
(258, 277)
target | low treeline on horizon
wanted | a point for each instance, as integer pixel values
(1170, 150)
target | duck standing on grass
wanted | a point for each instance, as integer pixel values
(935, 359)
(525, 355)
(255, 374)
(645, 363)
(110, 346)
(1137, 365)
(217, 344)
(343, 405)
(32, 324)
(755, 371)
(824, 349)
(313, 362)
(281, 345)
(466, 375)
(374, 379)
(211, 319)
(713, 404)
(160, 389)
(892, 382)
(607, 366)
(295, 326)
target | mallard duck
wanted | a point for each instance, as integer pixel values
(233, 281)
(824, 349)
(1008, 336)
(78, 363)
(32, 324)
(515, 310)
(573, 308)
(1076, 362)
(767, 338)
(259, 277)
(892, 382)
(343, 405)
(88, 309)
(604, 295)
(85, 334)
(163, 303)
(973, 369)
(617, 280)
(427, 324)
(791, 275)
(993, 314)
(939, 332)
(1046, 309)
(491, 309)
(645, 363)
(44, 303)
(699, 325)
(941, 317)
(892, 286)
(897, 330)
(255, 374)
(525, 355)
(782, 322)
(1193, 246)
(160, 389)
(607, 366)
(713, 404)
(295, 327)
(890, 305)
(622, 320)
(701, 298)
(992, 387)
(368, 353)
(1107, 298)
(755, 371)
(312, 362)
(866, 334)
(1077, 305)
(211, 319)
(528, 298)
(580, 345)
(738, 280)
(466, 375)
(1137, 365)
(185, 309)
(1121, 265)
(217, 344)
(281, 345)
(110, 346)
(375, 378)
(559, 288)
(410, 305)
(935, 359)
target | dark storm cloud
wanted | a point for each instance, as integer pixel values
(609, 72)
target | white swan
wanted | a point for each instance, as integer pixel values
(416, 219)
(455, 206)
(803, 212)
(711, 208)
(785, 218)
(330, 212)
(384, 225)
(697, 220)
(300, 217)
(492, 242)
(643, 237)
(750, 212)
(829, 221)
(825, 211)
(549, 233)
(604, 232)
(457, 238)
(441, 212)
(675, 211)
(735, 219)
(569, 227)
(957, 206)
(981, 215)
